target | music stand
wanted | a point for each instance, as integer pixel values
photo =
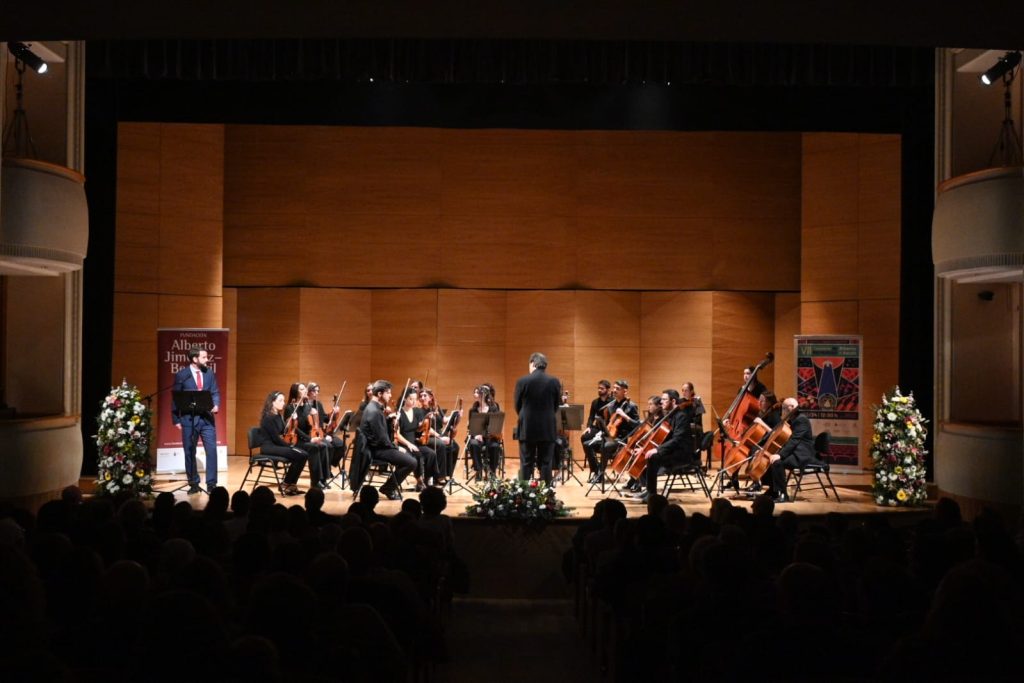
(570, 417)
(489, 426)
(192, 404)
(342, 429)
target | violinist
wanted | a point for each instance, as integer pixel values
(446, 449)
(336, 447)
(317, 451)
(272, 443)
(592, 435)
(678, 447)
(410, 417)
(796, 452)
(483, 402)
(367, 397)
(375, 430)
(688, 393)
(623, 418)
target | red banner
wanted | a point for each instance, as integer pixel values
(172, 355)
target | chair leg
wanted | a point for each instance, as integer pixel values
(828, 476)
(247, 472)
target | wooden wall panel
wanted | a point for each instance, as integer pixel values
(335, 316)
(229, 320)
(880, 323)
(191, 311)
(268, 316)
(829, 317)
(137, 253)
(829, 258)
(332, 364)
(192, 171)
(398, 363)
(756, 176)
(466, 317)
(743, 331)
(607, 319)
(258, 248)
(525, 252)
(668, 368)
(878, 260)
(138, 169)
(675, 319)
(191, 256)
(787, 325)
(611, 363)
(830, 177)
(544, 319)
(879, 187)
(403, 316)
(643, 252)
(136, 317)
(774, 245)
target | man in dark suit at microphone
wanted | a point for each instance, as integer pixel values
(537, 397)
(198, 376)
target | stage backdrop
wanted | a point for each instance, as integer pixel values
(172, 355)
(828, 378)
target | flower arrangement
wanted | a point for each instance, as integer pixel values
(124, 428)
(897, 451)
(530, 501)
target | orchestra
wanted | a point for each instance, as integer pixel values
(419, 436)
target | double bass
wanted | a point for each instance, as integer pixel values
(741, 415)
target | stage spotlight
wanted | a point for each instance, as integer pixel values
(24, 54)
(1006, 64)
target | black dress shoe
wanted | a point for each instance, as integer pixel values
(194, 489)
(783, 498)
(753, 487)
(392, 494)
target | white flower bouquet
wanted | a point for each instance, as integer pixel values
(123, 432)
(897, 451)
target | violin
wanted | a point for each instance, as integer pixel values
(315, 432)
(424, 429)
(291, 428)
(335, 421)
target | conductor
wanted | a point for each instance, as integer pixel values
(537, 397)
(197, 376)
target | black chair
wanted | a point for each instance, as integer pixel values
(819, 468)
(263, 461)
(684, 471)
(375, 468)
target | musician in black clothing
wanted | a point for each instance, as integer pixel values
(627, 414)
(374, 429)
(271, 441)
(446, 449)
(593, 434)
(678, 446)
(476, 446)
(336, 447)
(317, 452)
(796, 452)
(756, 387)
(410, 419)
(770, 416)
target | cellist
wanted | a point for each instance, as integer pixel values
(797, 451)
(623, 418)
(770, 415)
(654, 413)
(678, 447)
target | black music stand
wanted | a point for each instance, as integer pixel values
(489, 426)
(570, 419)
(343, 427)
(190, 405)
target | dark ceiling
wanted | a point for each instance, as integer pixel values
(920, 23)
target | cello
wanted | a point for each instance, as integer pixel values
(764, 457)
(741, 414)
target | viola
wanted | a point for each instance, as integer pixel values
(315, 432)
(424, 429)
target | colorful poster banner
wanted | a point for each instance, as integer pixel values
(172, 345)
(828, 381)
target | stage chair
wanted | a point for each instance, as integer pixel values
(819, 468)
(694, 469)
(257, 459)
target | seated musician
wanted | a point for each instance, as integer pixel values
(688, 393)
(446, 449)
(483, 454)
(335, 445)
(271, 442)
(796, 452)
(592, 435)
(561, 440)
(770, 416)
(317, 451)
(374, 429)
(410, 417)
(623, 418)
(678, 447)
(756, 387)
(653, 414)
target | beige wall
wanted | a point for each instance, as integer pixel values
(359, 253)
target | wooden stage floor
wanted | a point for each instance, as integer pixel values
(854, 491)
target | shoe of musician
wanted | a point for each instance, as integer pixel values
(193, 489)
(783, 498)
(419, 487)
(753, 487)
(592, 478)
(210, 486)
(391, 494)
(290, 490)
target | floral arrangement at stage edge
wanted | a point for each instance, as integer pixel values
(530, 501)
(124, 429)
(897, 451)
